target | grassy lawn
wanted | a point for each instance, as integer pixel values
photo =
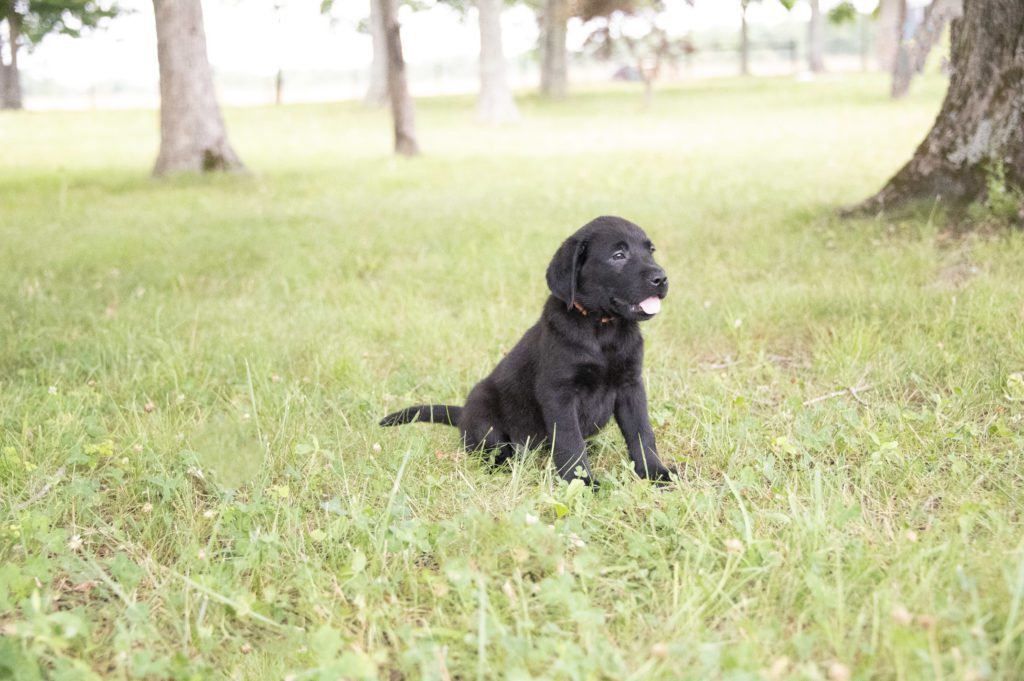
(193, 485)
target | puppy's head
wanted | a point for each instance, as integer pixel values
(608, 268)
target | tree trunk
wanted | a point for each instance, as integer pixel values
(192, 133)
(891, 14)
(554, 74)
(816, 39)
(981, 121)
(377, 92)
(744, 41)
(10, 82)
(3, 67)
(911, 56)
(495, 103)
(398, 87)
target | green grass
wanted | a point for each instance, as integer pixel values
(205, 360)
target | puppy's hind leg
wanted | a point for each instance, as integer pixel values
(491, 442)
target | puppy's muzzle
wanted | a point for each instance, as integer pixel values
(658, 279)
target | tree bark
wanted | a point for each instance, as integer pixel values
(495, 103)
(912, 54)
(192, 133)
(377, 92)
(891, 15)
(981, 121)
(554, 74)
(398, 88)
(10, 78)
(816, 39)
(744, 40)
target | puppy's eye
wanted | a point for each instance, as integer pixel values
(619, 255)
(653, 249)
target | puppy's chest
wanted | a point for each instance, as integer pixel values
(606, 371)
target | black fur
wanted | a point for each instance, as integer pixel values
(448, 414)
(574, 369)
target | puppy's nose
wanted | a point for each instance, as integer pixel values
(658, 278)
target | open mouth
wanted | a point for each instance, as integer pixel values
(651, 306)
(648, 306)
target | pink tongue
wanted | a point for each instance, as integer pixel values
(652, 305)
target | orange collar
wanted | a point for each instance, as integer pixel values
(584, 312)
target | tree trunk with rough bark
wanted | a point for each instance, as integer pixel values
(377, 92)
(816, 39)
(398, 88)
(495, 103)
(981, 121)
(10, 77)
(554, 74)
(891, 15)
(912, 54)
(192, 133)
(744, 40)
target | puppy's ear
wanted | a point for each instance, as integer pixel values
(564, 270)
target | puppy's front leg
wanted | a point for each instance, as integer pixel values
(635, 424)
(570, 449)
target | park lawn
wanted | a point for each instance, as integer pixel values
(194, 485)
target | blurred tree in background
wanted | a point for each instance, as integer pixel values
(554, 55)
(402, 113)
(816, 38)
(377, 90)
(912, 54)
(192, 133)
(495, 103)
(841, 13)
(25, 23)
(744, 38)
(890, 14)
(631, 32)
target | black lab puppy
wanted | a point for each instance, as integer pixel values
(576, 367)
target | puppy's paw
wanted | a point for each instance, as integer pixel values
(663, 474)
(590, 481)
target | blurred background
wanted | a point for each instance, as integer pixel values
(265, 51)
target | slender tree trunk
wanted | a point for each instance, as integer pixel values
(891, 14)
(912, 54)
(398, 88)
(744, 41)
(495, 103)
(3, 66)
(816, 39)
(981, 121)
(10, 82)
(554, 73)
(377, 92)
(192, 133)
(862, 34)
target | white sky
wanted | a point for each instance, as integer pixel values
(248, 36)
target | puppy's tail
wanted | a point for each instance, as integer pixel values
(447, 414)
